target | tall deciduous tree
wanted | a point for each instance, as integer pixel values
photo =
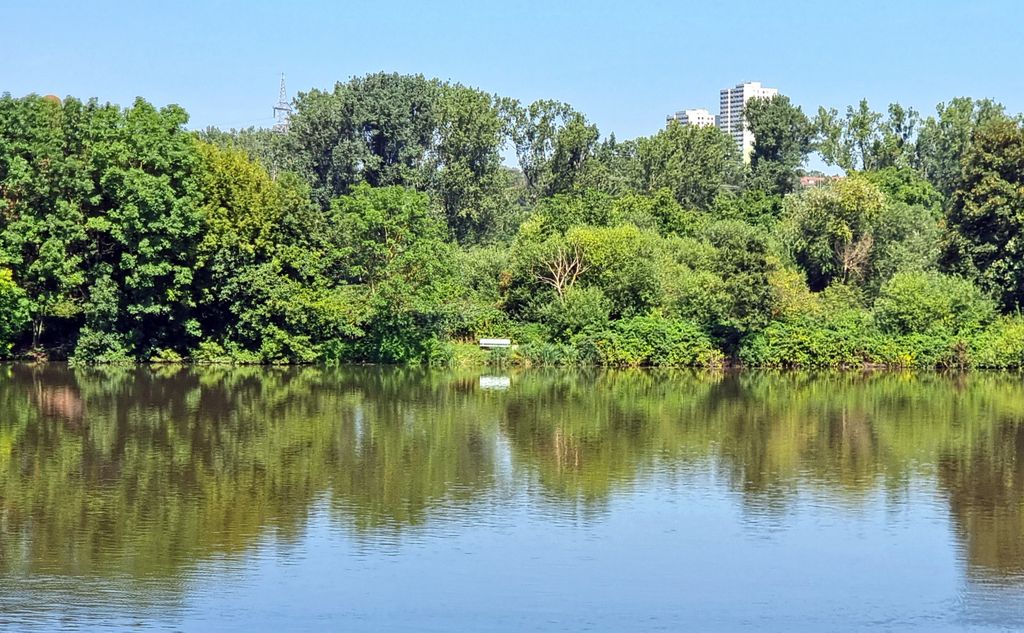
(390, 242)
(553, 143)
(406, 130)
(946, 137)
(782, 139)
(830, 230)
(695, 163)
(986, 219)
(101, 221)
(269, 148)
(612, 169)
(473, 188)
(378, 129)
(44, 182)
(261, 279)
(865, 139)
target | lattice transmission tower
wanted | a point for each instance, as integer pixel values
(282, 111)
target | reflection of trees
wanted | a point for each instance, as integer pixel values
(584, 434)
(985, 484)
(157, 476)
(407, 441)
(141, 471)
(175, 465)
(772, 435)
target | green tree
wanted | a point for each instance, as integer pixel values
(745, 263)
(753, 206)
(563, 211)
(945, 138)
(720, 278)
(265, 146)
(100, 223)
(695, 163)
(582, 309)
(14, 312)
(830, 230)
(867, 140)
(474, 189)
(986, 217)
(906, 238)
(658, 211)
(378, 129)
(391, 129)
(924, 302)
(899, 130)
(263, 294)
(553, 143)
(391, 243)
(904, 184)
(144, 232)
(43, 181)
(612, 169)
(783, 138)
(620, 261)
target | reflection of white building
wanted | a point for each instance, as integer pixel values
(499, 383)
(698, 117)
(730, 119)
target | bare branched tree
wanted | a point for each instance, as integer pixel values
(854, 256)
(562, 269)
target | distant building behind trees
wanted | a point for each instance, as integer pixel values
(730, 119)
(816, 180)
(698, 117)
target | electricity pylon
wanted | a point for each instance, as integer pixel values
(282, 111)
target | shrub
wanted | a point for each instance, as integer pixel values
(793, 296)
(584, 309)
(213, 353)
(498, 356)
(1001, 345)
(210, 353)
(438, 353)
(654, 341)
(542, 354)
(95, 347)
(526, 333)
(14, 311)
(842, 339)
(166, 355)
(926, 350)
(923, 302)
(851, 338)
(463, 354)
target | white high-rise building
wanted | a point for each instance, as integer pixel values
(698, 117)
(731, 118)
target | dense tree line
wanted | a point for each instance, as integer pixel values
(384, 226)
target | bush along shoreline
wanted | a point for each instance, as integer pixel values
(384, 226)
(854, 344)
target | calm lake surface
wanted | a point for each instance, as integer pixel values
(371, 499)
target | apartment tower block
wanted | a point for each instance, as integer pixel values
(730, 119)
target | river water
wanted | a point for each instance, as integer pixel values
(397, 499)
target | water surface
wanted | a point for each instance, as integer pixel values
(366, 499)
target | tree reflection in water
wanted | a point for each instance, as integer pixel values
(142, 472)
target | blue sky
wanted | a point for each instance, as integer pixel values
(625, 64)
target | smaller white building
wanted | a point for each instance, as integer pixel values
(698, 117)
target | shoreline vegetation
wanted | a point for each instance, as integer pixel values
(383, 227)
